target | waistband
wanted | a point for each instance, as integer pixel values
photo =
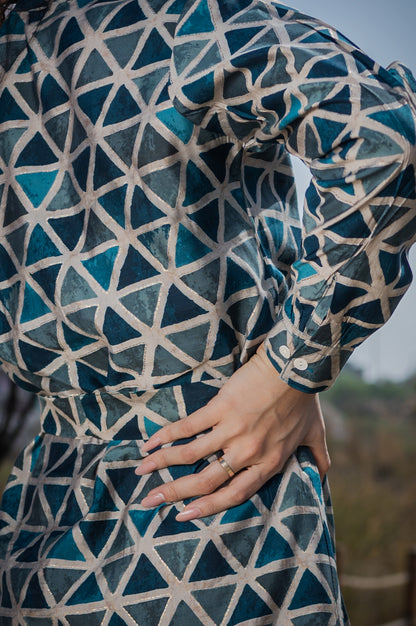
(132, 415)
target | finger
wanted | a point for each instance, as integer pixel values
(188, 426)
(202, 483)
(238, 490)
(322, 458)
(185, 454)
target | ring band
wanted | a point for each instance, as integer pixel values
(226, 466)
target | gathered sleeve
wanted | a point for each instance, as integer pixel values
(264, 73)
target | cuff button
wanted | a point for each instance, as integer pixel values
(300, 364)
(284, 351)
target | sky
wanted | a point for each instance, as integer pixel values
(386, 31)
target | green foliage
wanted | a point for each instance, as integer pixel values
(373, 478)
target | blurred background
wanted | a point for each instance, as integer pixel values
(371, 409)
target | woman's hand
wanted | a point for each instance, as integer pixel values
(257, 420)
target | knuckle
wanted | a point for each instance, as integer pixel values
(240, 496)
(170, 493)
(251, 449)
(208, 485)
(188, 455)
(186, 428)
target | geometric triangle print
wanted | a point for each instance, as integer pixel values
(70, 35)
(64, 546)
(122, 142)
(188, 247)
(36, 185)
(46, 278)
(103, 501)
(113, 203)
(122, 542)
(142, 303)
(197, 184)
(122, 107)
(127, 14)
(309, 587)
(57, 128)
(16, 240)
(303, 526)
(216, 160)
(166, 364)
(177, 555)
(33, 305)
(179, 308)
(114, 571)
(60, 581)
(277, 583)
(97, 232)
(244, 511)
(78, 134)
(211, 564)
(237, 279)
(14, 208)
(192, 341)
(169, 526)
(241, 543)
(135, 268)
(144, 578)
(75, 340)
(124, 482)
(45, 335)
(147, 613)
(37, 152)
(40, 246)
(66, 197)
(116, 329)
(148, 83)
(184, 615)
(121, 47)
(34, 598)
(165, 183)
(87, 592)
(75, 288)
(69, 229)
(93, 101)
(291, 497)
(96, 534)
(94, 66)
(153, 147)
(250, 606)
(274, 548)
(205, 281)
(105, 170)
(215, 601)
(101, 266)
(207, 219)
(155, 49)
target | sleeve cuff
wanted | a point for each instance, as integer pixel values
(301, 362)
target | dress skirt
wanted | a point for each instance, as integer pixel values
(77, 548)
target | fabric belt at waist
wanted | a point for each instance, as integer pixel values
(132, 415)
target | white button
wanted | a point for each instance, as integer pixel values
(300, 364)
(284, 351)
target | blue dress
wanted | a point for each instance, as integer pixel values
(150, 241)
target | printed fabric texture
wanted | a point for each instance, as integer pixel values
(150, 241)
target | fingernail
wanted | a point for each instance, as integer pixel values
(145, 468)
(153, 442)
(154, 500)
(188, 514)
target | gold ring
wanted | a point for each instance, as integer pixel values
(226, 466)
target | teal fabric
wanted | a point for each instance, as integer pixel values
(150, 241)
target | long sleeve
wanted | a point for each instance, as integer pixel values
(263, 74)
